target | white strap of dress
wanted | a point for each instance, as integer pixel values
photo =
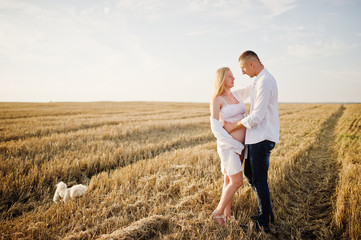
(224, 100)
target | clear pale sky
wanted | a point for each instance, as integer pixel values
(168, 50)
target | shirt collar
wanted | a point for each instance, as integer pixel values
(263, 72)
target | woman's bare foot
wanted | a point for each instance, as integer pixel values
(219, 218)
(231, 220)
(227, 212)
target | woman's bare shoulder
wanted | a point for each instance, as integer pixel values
(217, 100)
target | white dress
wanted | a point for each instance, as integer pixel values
(230, 160)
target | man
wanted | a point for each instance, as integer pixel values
(262, 132)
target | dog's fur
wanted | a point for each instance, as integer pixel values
(64, 193)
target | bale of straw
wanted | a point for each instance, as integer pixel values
(142, 229)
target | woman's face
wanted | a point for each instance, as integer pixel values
(229, 81)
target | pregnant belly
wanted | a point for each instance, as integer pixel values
(239, 134)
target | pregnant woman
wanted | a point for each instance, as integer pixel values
(229, 107)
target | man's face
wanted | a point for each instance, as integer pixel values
(247, 68)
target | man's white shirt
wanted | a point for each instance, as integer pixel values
(263, 121)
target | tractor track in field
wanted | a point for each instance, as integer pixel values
(308, 187)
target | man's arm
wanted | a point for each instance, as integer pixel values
(244, 93)
(261, 102)
(263, 94)
(230, 127)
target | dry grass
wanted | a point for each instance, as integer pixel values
(153, 172)
(347, 215)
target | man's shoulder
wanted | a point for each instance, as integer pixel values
(266, 80)
(267, 74)
(266, 77)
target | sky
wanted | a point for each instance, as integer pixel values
(169, 50)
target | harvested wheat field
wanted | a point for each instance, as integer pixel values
(153, 172)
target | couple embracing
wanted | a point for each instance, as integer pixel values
(243, 137)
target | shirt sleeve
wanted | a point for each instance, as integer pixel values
(244, 93)
(261, 101)
(224, 138)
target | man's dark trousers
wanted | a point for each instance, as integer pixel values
(256, 172)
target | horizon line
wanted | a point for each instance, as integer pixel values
(144, 101)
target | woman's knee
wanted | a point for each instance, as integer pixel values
(237, 180)
(239, 183)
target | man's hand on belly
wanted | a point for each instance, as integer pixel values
(229, 127)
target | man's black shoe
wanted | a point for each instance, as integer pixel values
(245, 226)
(265, 229)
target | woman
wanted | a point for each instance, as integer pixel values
(228, 106)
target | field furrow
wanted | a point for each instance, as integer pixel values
(307, 187)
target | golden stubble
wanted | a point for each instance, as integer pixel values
(153, 172)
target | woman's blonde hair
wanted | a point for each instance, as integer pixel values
(218, 85)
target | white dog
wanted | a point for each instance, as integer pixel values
(63, 192)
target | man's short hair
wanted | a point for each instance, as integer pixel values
(247, 56)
